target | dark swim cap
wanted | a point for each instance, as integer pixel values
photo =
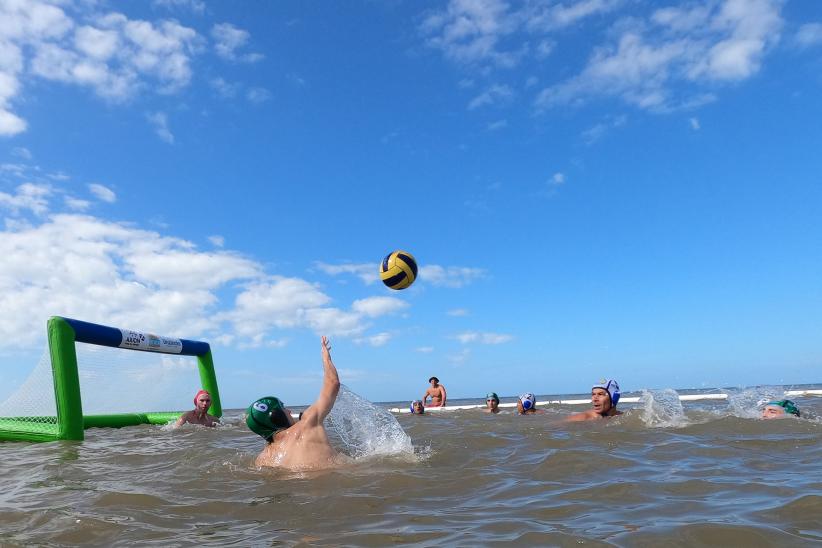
(492, 396)
(266, 417)
(789, 406)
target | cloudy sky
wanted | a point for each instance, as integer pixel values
(592, 188)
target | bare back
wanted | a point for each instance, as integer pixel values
(302, 446)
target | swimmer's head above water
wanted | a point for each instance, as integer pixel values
(778, 409)
(527, 404)
(267, 416)
(492, 401)
(605, 396)
(417, 408)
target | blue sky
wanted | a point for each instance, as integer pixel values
(592, 189)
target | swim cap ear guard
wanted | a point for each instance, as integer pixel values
(611, 387)
(789, 406)
(266, 416)
(528, 400)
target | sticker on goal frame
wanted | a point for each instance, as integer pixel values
(150, 342)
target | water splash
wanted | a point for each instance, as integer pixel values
(365, 430)
(662, 409)
(747, 402)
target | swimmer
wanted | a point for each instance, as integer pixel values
(527, 405)
(604, 398)
(202, 401)
(417, 408)
(491, 403)
(436, 393)
(292, 444)
(780, 409)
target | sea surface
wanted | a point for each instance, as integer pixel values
(704, 473)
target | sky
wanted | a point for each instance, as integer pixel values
(592, 189)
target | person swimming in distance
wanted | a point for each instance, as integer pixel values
(297, 444)
(780, 409)
(436, 392)
(202, 401)
(527, 405)
(417, 408)
(604, 399)
(491, 403)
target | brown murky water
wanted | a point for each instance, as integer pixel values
(700, 474)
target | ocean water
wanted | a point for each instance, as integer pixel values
(704, 473)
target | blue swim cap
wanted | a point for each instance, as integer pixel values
(611, 387)
(492, 396)
(528, 400)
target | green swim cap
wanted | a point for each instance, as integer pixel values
(789, 406)
(266, 417)
(492, 396)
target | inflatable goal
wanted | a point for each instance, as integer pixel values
(98, 376)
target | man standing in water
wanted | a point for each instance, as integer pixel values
(293, 444)
(604, 398)
(436, 393)
(202, 401)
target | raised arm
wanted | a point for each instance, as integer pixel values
(331, 387)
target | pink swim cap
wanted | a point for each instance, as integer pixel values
(199, 393)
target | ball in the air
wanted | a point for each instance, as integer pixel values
(398, 270)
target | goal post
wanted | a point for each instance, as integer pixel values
(70, 421)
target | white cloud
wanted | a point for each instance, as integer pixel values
(115, 56)
(29, 197)
(558, 179)
(224, 88)
(452, 276)
(482, 338)
(103, 193)
(457, 312)
(160, 122)
(378, 306)
(425, 349)
(21, 152)
(552, 16)
(460, 357)
(470, 32)
(809, 34)
(694, 123)
(76, 204)
(368, 273)
(595, 133)
(218, 241)
(258, 95)
(228, 39)
(197, 6)
(701, 46)
(499, 124)
(494, 94)
(375, 340)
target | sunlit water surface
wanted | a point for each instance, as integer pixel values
(692, 474)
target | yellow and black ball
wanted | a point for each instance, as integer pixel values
(398, 270)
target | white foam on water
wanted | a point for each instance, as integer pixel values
(662, 409)
(366, 430)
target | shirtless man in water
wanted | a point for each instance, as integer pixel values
(202, 401)
(604, 399)
(436, 393)
(297, 444)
